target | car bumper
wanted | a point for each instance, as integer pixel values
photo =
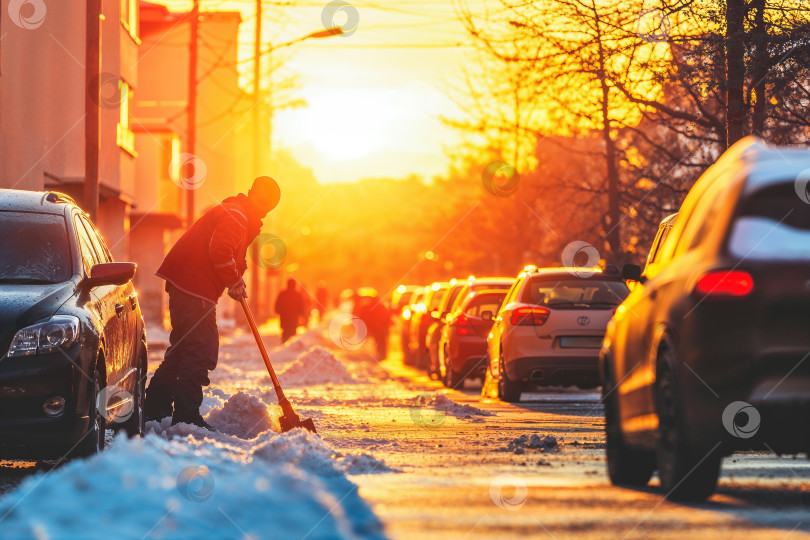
(764, 404)
(25, 384)
(468, 355)
(555, 370)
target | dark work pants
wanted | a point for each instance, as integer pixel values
(192, 353)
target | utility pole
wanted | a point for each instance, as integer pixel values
(191, 127)
(255, 284)
(92, 138)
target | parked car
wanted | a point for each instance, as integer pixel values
(549, 330)
(708, 353)
(401, 297)
(434, 333)
(71, 333)
(463, 347)
(475, 284)
(417, 305)
(420, 322)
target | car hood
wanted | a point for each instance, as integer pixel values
(22, 305)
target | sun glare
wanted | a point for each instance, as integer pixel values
(349, 124)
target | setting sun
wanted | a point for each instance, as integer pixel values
(349, 124)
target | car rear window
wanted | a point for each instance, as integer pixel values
(772, 224)
(436, 298)
(34, 248)
(484, 302)
(574, 293)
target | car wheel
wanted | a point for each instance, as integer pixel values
(407, 356)
(453, 379)
(687, 474)
(93, 441)
(508, 391)
(626, 466)
(135, 425)
(433, 366)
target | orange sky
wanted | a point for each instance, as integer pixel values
(374, 96)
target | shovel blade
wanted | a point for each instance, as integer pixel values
(290, 422)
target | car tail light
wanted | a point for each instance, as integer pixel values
(463, 326)
(529, 316)
(725, 284)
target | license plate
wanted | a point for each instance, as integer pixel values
(581, 342)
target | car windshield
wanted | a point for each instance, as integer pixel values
(575, 293)
(773, 224)
(34, 248)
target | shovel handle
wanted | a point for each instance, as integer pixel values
(260, 343)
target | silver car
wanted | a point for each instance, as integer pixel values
(549, 329)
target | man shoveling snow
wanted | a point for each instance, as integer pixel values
(206, 260)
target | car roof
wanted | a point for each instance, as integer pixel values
(762, 164)
(574, 272)
(46, 202)
(496, 279)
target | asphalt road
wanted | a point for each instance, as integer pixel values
(462, 479)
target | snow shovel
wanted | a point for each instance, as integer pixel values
(289, 420)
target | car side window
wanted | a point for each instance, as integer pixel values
(98, 242)
(701, 219)
(88, 254)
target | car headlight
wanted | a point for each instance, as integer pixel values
(58, 331)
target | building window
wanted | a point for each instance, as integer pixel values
(124, 135)
(129, 17)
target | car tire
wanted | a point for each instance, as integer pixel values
(433, 366)
(135, 426)
(453, 379)
(508, 391)
(93, 440)
(627, 466)
(686, 473)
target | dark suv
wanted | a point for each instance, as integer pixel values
(72, 341)
(709, 353)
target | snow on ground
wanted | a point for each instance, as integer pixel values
(245, 480)
(190, 488)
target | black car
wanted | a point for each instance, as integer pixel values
(72, 336)
(709, 353)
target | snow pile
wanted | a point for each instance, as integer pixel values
(315, 366)
(441, 402)
(148, 487)
(309, 452)
(244, 416)
(534, 442)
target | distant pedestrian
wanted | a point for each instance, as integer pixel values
(321, 299)
(291, 309)
(206, 260)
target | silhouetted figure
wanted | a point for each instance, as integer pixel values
(206, 260)
(375, 315)
(321, 299)
(290, 308)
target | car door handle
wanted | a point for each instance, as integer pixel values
(119, 309)
(133, 301)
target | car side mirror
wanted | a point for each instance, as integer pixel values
(486, 315)
(115, 273)
(631, 272)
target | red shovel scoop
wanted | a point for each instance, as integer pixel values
(289, 420)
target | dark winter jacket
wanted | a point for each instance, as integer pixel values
(210, 256)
